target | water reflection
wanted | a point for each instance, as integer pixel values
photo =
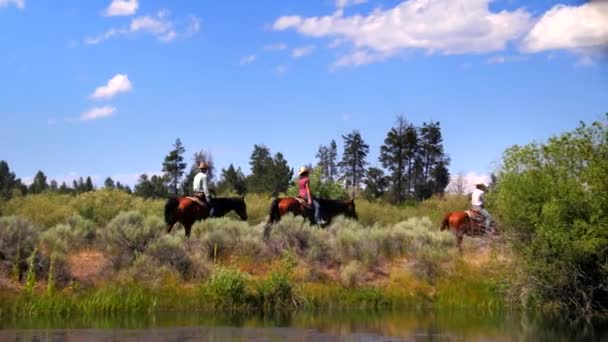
(412, 325)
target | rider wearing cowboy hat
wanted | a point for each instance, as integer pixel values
(201, 186)
(304, 193)
(478, 199)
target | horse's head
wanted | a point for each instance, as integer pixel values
(241, 208)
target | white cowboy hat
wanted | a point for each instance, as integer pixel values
(203, 165)
(302, 170)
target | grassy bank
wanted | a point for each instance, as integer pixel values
(130, 264)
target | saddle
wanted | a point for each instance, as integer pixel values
(302, 201)
(474, 215)
(197, 200)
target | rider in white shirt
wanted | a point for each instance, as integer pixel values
(478, 203)
(201, 186)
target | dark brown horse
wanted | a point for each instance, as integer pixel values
(187, 211)
(328, 210)
(463, 223)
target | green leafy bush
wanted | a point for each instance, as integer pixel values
(552, 199)
(227, 287)
(129, 233)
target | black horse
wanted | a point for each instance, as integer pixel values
(328, 210)
(187, 211)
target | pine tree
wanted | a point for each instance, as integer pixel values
(109, 183)
(282, 174)
(53, 187)
(376, 183)
(39, 184)
(174, 166)
(233, 180)
(394, 157)
(432, 171)
(268, 175)
(8, 181)
(327, 156)
(353, 160)
(88, 185)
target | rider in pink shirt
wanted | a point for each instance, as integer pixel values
(304, 193)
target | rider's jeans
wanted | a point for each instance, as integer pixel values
(485, 214)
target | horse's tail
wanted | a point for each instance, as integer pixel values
(445, 223)
(170, 207)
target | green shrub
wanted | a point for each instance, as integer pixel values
(17, 242)
(148, 271)
(103, 205)
(129, 233)
(169, 250)
(552, 199)
(278, 290)
(352, 274)
(227, 288)
(47, 209)
(75, 234)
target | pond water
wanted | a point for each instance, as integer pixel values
(413, 325)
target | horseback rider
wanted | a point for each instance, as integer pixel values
(201, 186)
(305, 194)
(478, 199)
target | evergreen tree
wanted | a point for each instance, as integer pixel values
(282, 174)
(327, 156)
(268, 175)
(39, 184)
(109, 183)
(432, 171)
(150, 187)
(233, 180)
(376, 183)
(88, 185)
(64, 188)
(174, 166)
(8, 181)
(54, 187)
(353, 160)
(394, 157)
(260, 179)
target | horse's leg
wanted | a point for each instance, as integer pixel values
(169, 227)
(459, 236)
(187, 229)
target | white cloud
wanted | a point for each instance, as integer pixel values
(275, 47)
(248, 59)
(359, 57)
(582, 29)
(98, 113)
(159, 26)
(105, 36)
(19, 3)
(346, 3)
(500, 59)
(281, 69)
(302, 51)
(118, 84)
(440, 26)
(122, 7)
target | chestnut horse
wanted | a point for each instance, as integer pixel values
(328, 210)
(186, 211)
(463, 223)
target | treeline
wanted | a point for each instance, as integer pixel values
(412, 167)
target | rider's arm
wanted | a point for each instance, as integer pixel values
(206, 188)
(308, 194)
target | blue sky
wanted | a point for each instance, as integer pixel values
(103, 88)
